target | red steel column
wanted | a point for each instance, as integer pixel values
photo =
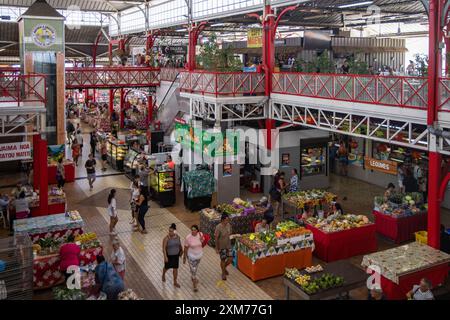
(447, 54)
(43, 180)
(149, 111)
(36, 171)
(191, 49)
(434, 161)
(268, 43)
(122, 107)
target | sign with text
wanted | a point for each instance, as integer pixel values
(389, 167)
(254, 38)
(15, 151)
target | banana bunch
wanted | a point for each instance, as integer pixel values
(303, 280)
(86, 237)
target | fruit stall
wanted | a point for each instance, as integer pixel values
(267, 254)
(46, 272)
(400, 268)
(335, 279)
(56, 203)
(342, 237)
(294, 203)
(69, 170)
(243, 215)
(55, 226)
(400, 216)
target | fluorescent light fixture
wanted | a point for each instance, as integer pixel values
(181, 30)
(2, 49)
(217, 24)
(351, 5)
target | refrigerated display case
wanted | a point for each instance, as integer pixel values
(313, 159)
(162, 184)
(116, 154)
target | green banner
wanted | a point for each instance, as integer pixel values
(213, 144)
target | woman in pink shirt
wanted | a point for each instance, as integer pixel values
(193, 252)
(69, 255)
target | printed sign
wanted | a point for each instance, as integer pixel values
(254, 38)
(15, 151)
(389, 167)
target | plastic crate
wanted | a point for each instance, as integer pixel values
(422, 237)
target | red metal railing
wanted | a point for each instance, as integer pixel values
(23, 90)
(111, 77)
(170, 74)
(444, 94)
(222, 83)
(409, 92)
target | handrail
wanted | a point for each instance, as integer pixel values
(23, 90)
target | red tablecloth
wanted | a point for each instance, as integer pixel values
(437, 275)
(400, 229)
(46, 272)
(344, 244)
(56, 234)
(69, 169)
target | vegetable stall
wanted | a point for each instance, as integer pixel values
(267, 254)
(400, 216)
(317, 201)
(342, 237)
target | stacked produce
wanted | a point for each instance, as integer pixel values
(74, 215)
(401, 205)
(344, 222)
(239, 207)
(314, 269)
(87, 240)
(64, 293)
(47, 246)
(310, 198)
(128, 295)
(313, 284)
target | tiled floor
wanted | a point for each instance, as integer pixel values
(144, 253)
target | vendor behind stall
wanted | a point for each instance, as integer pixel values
(268, 213)
(389, 191)
(22, 206)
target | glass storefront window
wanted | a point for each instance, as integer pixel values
(313, 160)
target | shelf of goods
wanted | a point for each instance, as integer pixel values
(342, 237)
(403, 267)
(242, 214)
(138, 136)
(198, 188)
(267, 254)
(117, 150)
(162, 183)
(46, 271)
(69, 170)
(132, 161)
(56, 203)
(333, 280)
(400, 216)
(294, 203)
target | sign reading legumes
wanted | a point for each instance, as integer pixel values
(15, 151)
(385, 166)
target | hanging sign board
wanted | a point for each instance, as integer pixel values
(15, 151)
(389, 167)
(254, 38)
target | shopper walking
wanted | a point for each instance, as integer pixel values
(90, 169)
(142, 211)
(112, 212)
(60, 174)
(275, 193)
(118, 258)
(69, 255)
(93, 141)
(79, 137)
(134, 198)
(223, 244)
(75, 151)
(342, 154)
(70, 131)
(193, 253)
(104, 155)
(172, 251)
(143, 177)
(293, 187)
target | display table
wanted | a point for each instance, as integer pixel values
(56, 226)
(400, 229)
(401, 268)
(344, 244)
(274, 265)
(239, 224)
(46, 273)
(353, 278)
(270, 261)
(69, 169)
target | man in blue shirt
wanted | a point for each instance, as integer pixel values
(294, 181)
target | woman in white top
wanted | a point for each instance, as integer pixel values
(134, 198)
(193, 253)
(118, 258)
(112, 211)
